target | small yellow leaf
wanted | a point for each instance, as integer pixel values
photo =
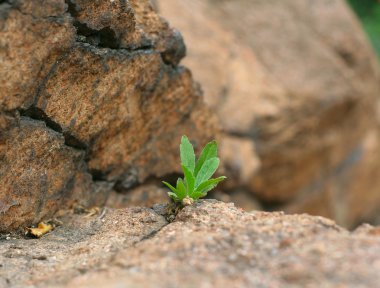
(92, 211)
(41, 230)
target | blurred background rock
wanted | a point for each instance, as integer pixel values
(296, 86)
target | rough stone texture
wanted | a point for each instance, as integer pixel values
(142, 196)
(92, 100)
(210, 244)
(299, 80)
(83, 242)
(30, 150)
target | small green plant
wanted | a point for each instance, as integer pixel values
(197, 173)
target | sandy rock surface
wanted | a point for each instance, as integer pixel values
(210, 244)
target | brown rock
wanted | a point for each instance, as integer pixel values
(32, 38)
(39, 174)
(240, 197)
(83, 241)
(239, 160)
(210, 244)
(142, 196)
(91, 98)
(301, 82)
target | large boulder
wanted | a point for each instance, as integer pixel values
(299, 81)
(210, 244)
(92, 100)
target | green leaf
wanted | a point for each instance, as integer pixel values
(196, 182)
(196, 195)
(205, 187)
(208, 188)
(181, 189)
(210, 151)
(207, 170)
(206, 184)
(187, 153)
(173, 196)
(170, 187)
(189, 178)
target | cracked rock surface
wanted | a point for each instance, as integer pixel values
(210, 244)
(92, 99)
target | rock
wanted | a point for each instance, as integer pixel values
(300, 81)
(220, 244)
(142, 196)
(239, 160)
(91, 98)
(39, 174)
(82, 242)
(240, 197)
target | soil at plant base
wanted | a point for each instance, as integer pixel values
(210, 244)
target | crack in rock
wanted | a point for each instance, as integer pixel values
(38, 114)
(105, 37)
